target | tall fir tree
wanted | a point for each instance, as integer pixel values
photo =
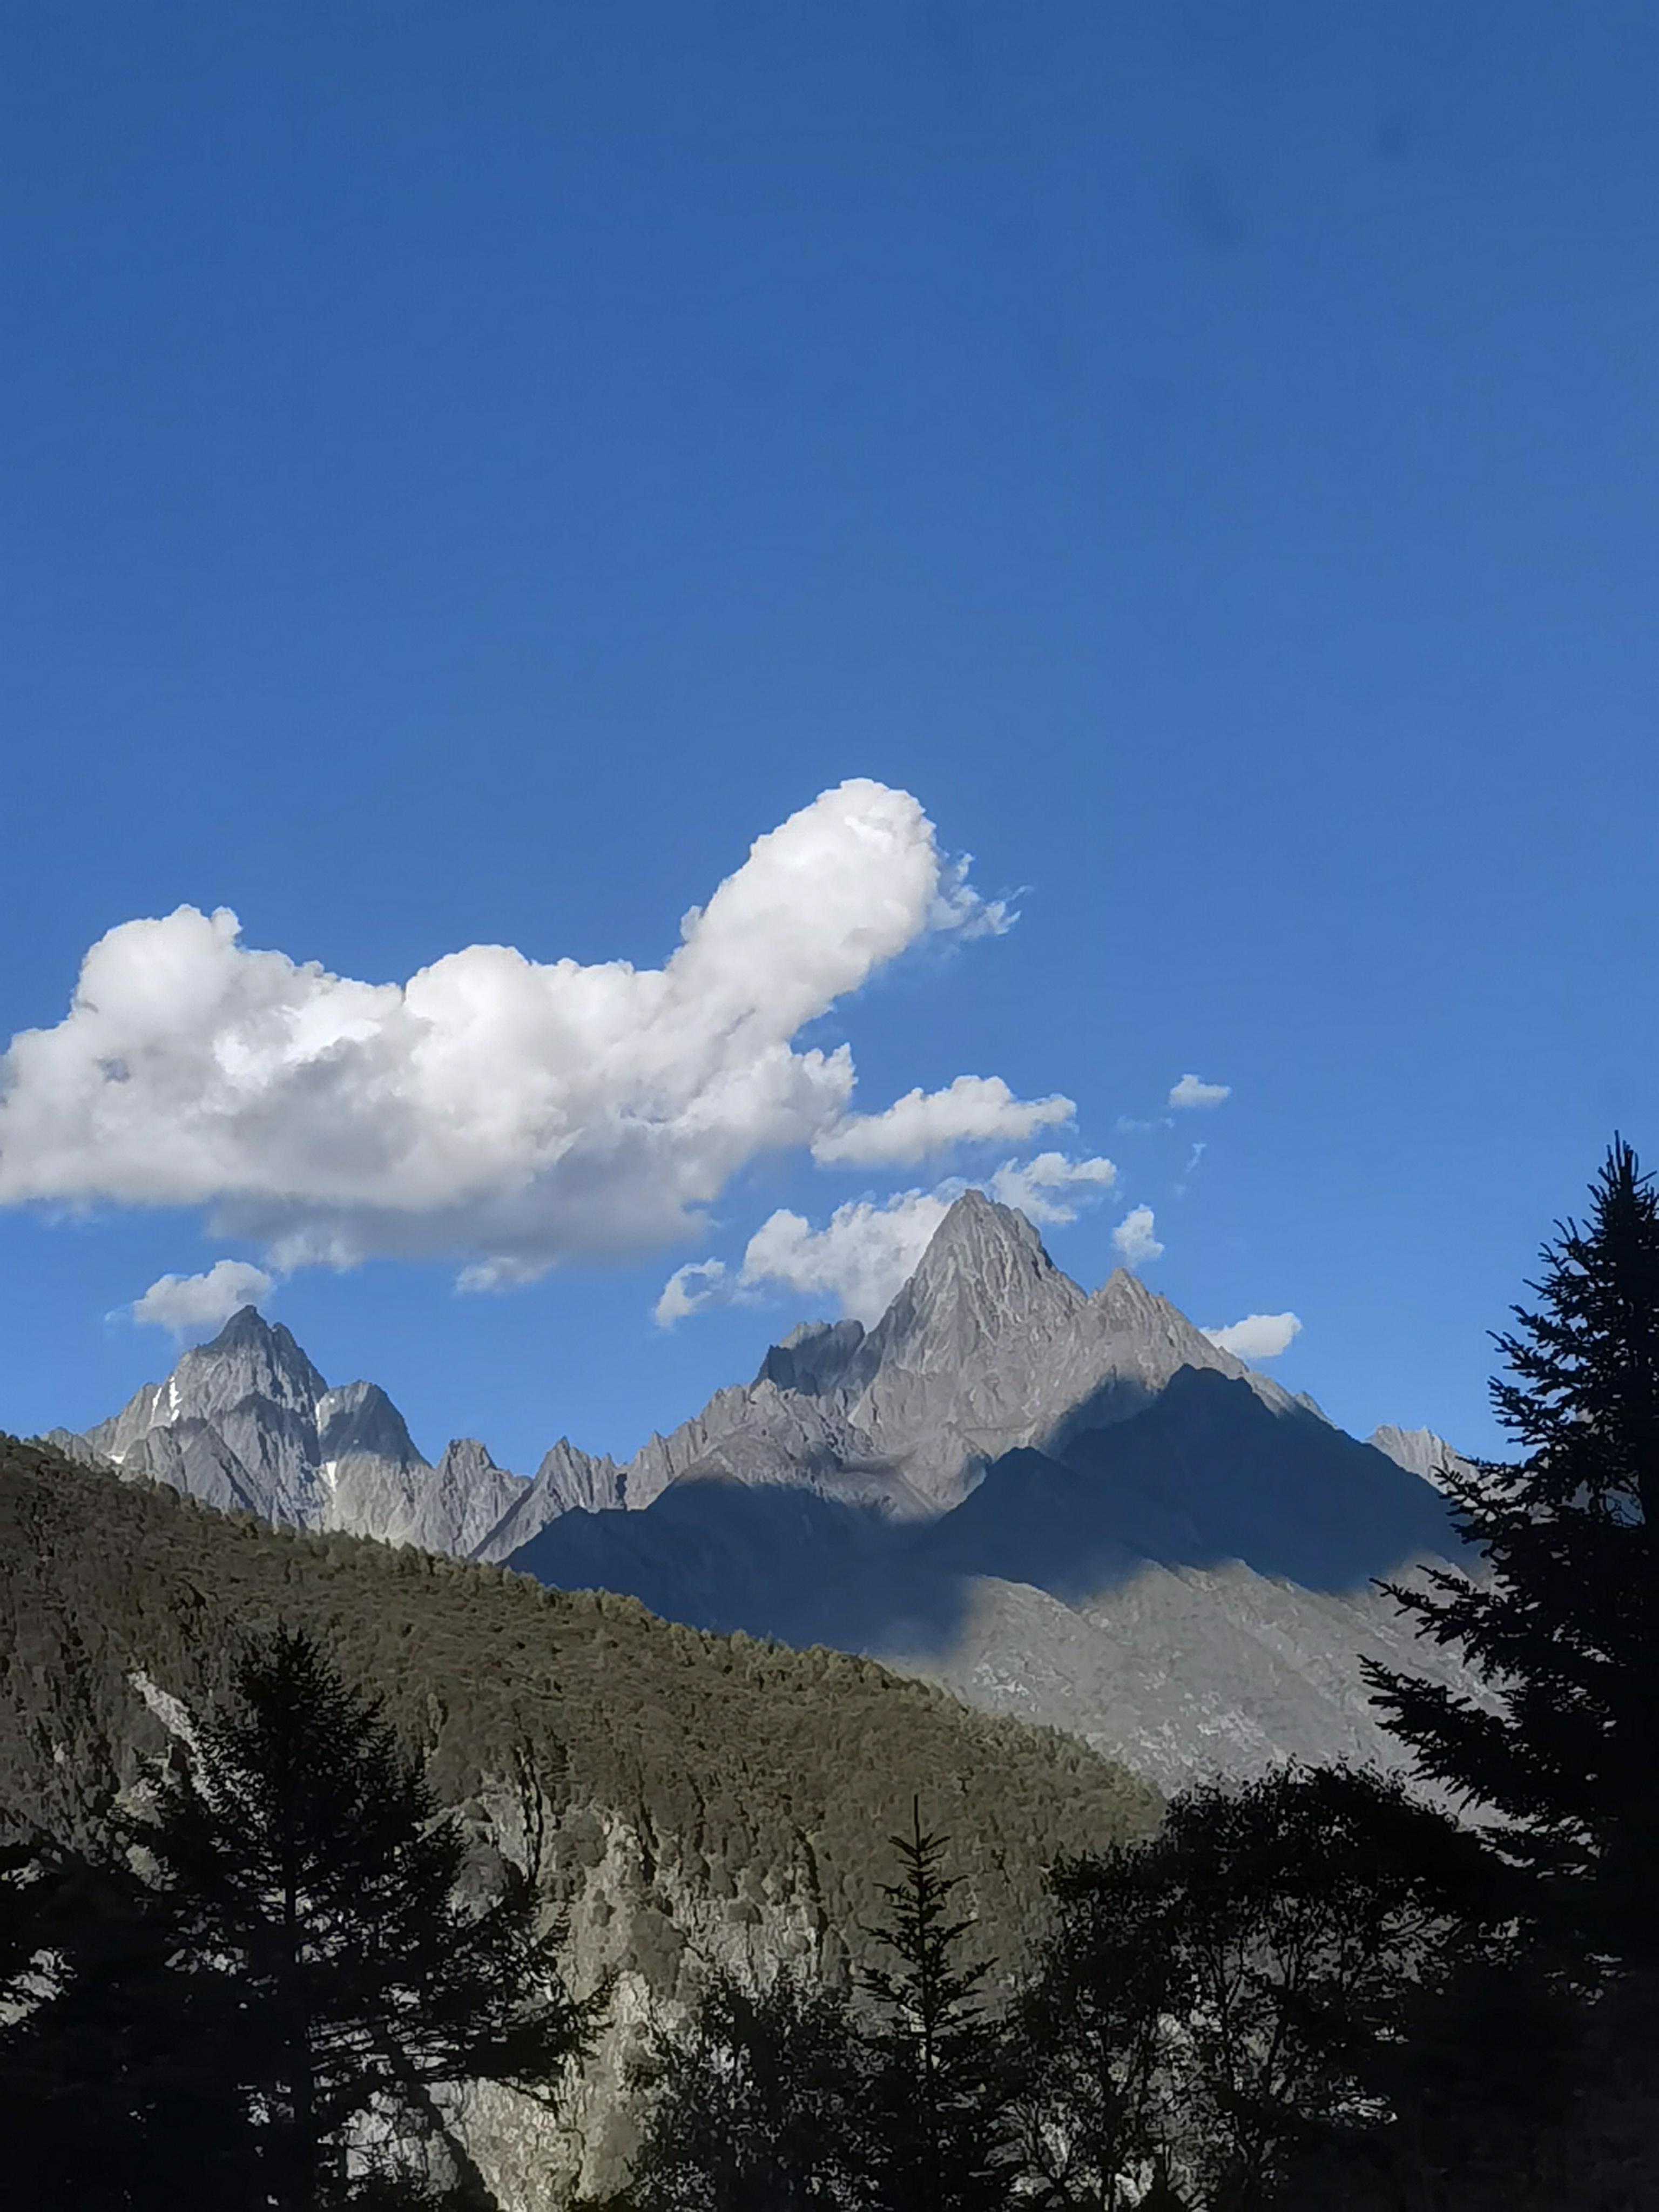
(309, 1868)
(943, 2086)
(1563, 1616)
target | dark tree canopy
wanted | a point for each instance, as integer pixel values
(1209, 2004)
(759, 2105)
(1563, 1617)
(109, 2060)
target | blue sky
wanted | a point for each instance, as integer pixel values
(469, 472)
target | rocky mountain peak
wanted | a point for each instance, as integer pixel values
(360, 1419)
(977, 1231)
(984, 1276)
(1422, 1451)
(248, 1358)
(1143, 1319)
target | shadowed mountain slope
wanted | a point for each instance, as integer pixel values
(1191, 1584)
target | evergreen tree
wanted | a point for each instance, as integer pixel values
(1563, 1617)
(943, 2087)
(310, 1870)
(758, 2105)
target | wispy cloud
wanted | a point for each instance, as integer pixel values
(695, 1285)
(1046, 1189)
(857, 1260)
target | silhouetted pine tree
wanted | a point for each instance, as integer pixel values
(1564, 1619)
(943, 2087)
(310, 1870)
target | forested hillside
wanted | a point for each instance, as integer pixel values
(749, 1770)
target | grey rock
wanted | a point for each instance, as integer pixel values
(255, 1388)
(1183, 1574)
(1422, 1451)
(372, 1477)
(77, 1448)
(465, 1496)
(248, 1421)
(567, 1480)
(1188, 1674)
(814, 1358)
(190, 1455)
(988, 1347)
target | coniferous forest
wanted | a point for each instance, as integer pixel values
(261, 1971)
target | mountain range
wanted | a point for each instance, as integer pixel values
(1068, 1507)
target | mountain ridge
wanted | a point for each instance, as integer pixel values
(1000, 1443)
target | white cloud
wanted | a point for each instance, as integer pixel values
(496, 1109)
(1258, 1336)
(1035, 1186)
(859, 1258)
(1190, 1091)
(1134, 1239)
(866, 1248)
(975, 1109)
(185, 1303)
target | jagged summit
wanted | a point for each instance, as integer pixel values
(988, 1347)
(246, 1325)
(247, 1420)
(975, 1227)
(984, 1273)
(813, 1357)
(253, 1357)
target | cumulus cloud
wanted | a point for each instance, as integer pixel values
(1190, 1092)
(1134, 1240)
(185, 1303)
(1046, 1189)
(865, 1251)
(858, 1260)
(1258, 1336)
(493, 1108)
(975, 1109)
